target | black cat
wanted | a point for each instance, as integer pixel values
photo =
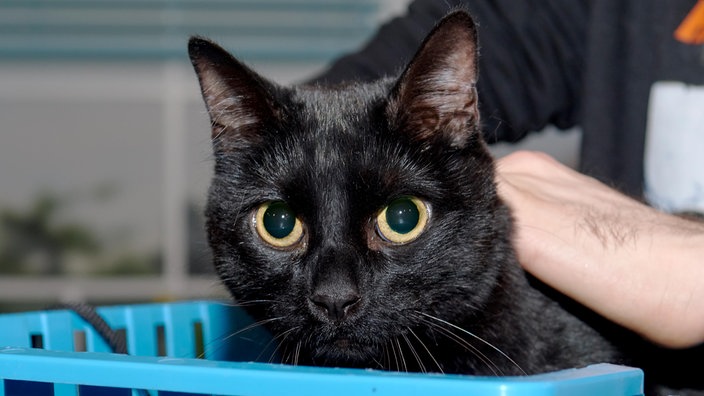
(361, 225)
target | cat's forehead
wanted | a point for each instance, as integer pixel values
(341, 108)
(333, 141)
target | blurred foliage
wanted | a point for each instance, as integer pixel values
(36, 240)
(27, 233)
(42, 239)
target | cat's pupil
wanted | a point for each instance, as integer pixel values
(279, 220)
(402, 215)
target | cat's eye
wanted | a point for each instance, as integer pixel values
(402, 220)
(277, 224)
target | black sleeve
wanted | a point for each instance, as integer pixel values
(531, 59)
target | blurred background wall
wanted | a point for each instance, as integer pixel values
(104, 141)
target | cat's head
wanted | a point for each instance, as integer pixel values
(344, 217)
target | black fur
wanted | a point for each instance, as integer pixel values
(337, 156)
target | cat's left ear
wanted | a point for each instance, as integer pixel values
(435, 97)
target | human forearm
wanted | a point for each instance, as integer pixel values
(639, 267)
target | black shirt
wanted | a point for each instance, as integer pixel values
(592, 64)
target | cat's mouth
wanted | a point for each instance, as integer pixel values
(342, 343)
(344, 352)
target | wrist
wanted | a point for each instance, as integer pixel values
(676, 300)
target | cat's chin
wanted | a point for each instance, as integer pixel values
(343, 352)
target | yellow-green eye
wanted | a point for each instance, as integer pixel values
(277, 224)
(402, 220)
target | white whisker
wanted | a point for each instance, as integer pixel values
(400, 352)
(415, 354)
(248, 302)
(395, 354)
(467, 345)
(387, 356)
(426, 349)
(297, 354)
(222, 340)
(475, 337)
(279, 339)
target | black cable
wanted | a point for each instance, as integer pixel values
(116, 341)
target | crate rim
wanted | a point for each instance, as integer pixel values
(248, 378)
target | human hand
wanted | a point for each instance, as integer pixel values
(634, 265)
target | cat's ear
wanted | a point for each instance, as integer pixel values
(239, 101)
(435, 97)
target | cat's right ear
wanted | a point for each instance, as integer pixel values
(238, 100)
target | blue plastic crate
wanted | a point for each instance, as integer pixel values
(73, 360)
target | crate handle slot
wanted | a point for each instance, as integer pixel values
(37, 340)
(198, 340)
(79, 341)
(160, 340)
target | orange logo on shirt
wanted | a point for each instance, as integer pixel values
(691, 30)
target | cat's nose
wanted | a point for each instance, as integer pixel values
(336, 307)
